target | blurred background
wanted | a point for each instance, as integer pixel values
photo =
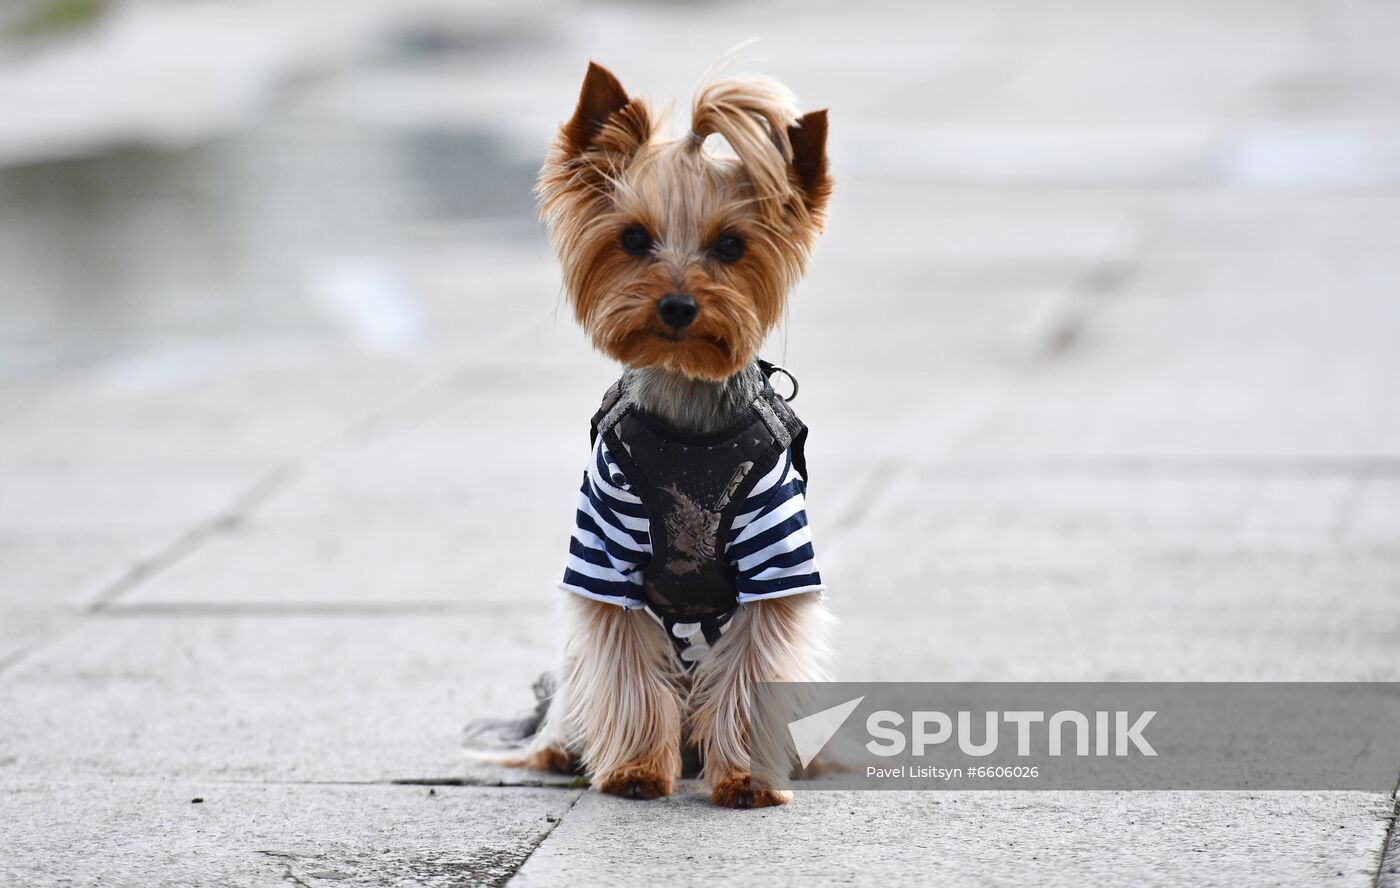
(1099, 353)
(201, 178)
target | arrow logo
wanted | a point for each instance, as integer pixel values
(812, 733)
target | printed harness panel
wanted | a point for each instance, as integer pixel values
(692, 487)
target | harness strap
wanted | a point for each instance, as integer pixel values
(776, 426)
(615, 403)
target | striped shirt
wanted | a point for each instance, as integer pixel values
(769, 546)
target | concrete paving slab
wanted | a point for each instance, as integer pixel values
(65, 569)
(1071, 838)
(49, 579)
(67, 497)
(252, 406)
(20, 630)
(1244, 358)
(1375, 515)
(413, 562)
(1268, 223)
(1265, 617)
(1119, 578)
(328, 696)
(459, 474)
(151, 835)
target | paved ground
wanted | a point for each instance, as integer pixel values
(1117, 281)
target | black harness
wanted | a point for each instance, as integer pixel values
(692, 487)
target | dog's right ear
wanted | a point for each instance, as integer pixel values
(601, 97)
(605, 118)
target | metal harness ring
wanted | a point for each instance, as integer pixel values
(775, 368)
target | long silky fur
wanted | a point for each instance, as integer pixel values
(775, 640)
(621, 691)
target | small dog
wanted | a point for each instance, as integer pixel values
(691, 565)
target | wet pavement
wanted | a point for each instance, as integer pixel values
(1115, 283)
(279, 231)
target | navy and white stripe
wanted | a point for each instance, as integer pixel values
(769, 546)
(611, 540)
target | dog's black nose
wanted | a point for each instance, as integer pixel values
(677, 309)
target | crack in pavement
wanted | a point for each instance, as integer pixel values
(544, 838)
(493, 866)
(288, 875)
(572, 783)
(538, 783)
(1388, 871)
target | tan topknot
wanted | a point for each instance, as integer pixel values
(753, 115)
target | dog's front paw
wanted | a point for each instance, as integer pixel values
(736, 790)
(636, 782)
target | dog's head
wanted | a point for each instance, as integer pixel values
(674, 256)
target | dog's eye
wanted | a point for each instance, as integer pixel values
(728, 248)
(636, 241)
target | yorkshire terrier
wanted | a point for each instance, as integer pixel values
(690, 571)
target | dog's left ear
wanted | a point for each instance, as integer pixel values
(809, 168)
